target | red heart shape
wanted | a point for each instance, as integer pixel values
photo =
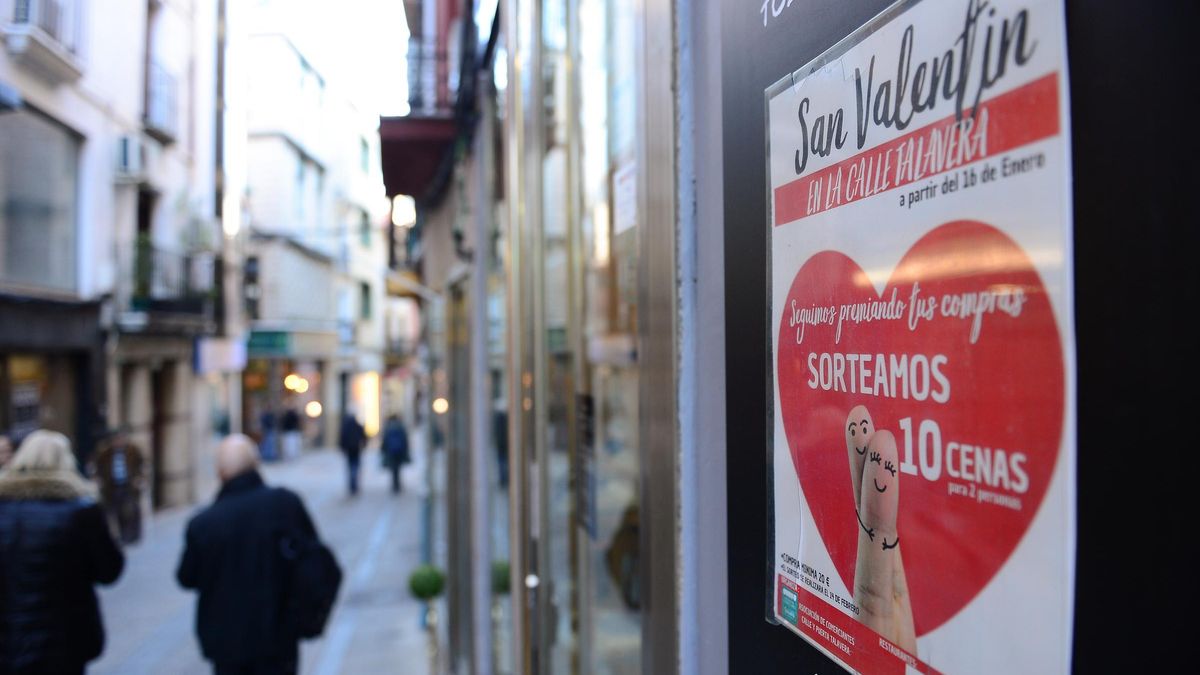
(1005, 392)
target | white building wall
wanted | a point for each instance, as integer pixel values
(107, 102)
(297, 289)
(358, 190)
(300, 111)
(103, 104)
(272, 184)
(286, 93)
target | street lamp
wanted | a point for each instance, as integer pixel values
(404, 211)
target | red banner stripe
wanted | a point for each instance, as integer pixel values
(1013, 119)
(852, 643)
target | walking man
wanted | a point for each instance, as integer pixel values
(351, 440)
(235, 555)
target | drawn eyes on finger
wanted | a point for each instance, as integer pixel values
(853, 429)
(875, 457)
(889, 467)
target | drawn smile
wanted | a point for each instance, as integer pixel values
(894, 544)
(881, 489)
(862, 451)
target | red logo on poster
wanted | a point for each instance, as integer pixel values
(960, 359)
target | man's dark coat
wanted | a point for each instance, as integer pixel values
(234, 556)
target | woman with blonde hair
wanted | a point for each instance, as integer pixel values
(54, 547)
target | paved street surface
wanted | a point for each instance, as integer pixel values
(376, 626)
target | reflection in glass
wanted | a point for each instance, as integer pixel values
(610, 586)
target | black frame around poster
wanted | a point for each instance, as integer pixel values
(1135, 234)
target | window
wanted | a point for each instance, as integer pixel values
(364, 301)
(300, 191)
(364, 228)
(39, 182)
(252, 291)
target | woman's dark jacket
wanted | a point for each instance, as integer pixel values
(234, 557)
(54, 547)
(395, 444)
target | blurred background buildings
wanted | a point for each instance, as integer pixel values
(193, 212)
(210, 218)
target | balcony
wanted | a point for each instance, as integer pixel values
(161, 119)
(170, 292)
(399, 348)
(429, 90)
(45, 36)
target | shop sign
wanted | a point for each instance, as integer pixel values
(268, 343)
(922, 342)
(219, 355)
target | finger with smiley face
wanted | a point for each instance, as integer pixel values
(880, 585)
(859, 429)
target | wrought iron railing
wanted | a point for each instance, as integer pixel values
(428, 79)
(171, 282)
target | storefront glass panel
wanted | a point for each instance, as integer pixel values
(609, 464)
(558, 356)
(575, 275)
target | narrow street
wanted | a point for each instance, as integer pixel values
(376, 626)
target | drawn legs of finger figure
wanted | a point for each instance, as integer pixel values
(880, 584)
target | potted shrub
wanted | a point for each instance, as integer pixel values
(426, 584)
(501, 578)
(501, 586)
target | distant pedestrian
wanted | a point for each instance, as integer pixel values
(351, 439)
(6, 450)
(241, 555)
(395, 449)
(270, 436)
(292, 437)
(54, 547)
(119, 465)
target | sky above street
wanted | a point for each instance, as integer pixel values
(359, 46)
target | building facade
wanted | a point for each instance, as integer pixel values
(111, 238)
(609, 163)
(314, 248)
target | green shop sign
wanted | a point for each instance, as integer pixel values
(268, 343)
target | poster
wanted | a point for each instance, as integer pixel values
(922, 342)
